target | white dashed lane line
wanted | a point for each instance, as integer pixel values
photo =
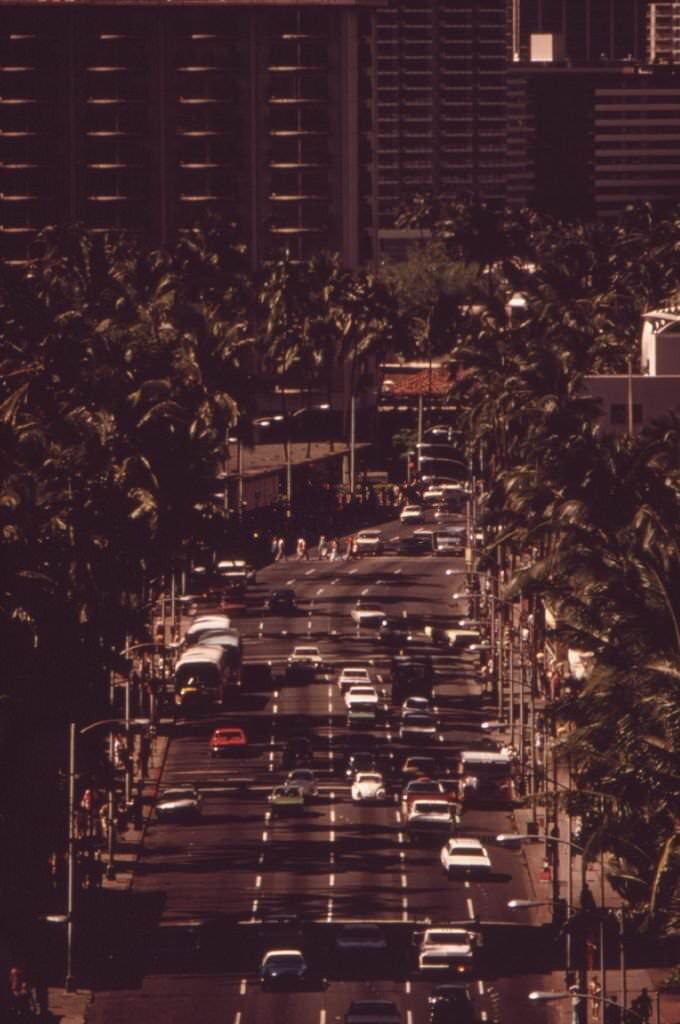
(289, 583)
(258, 881)
(237, 1017)
(309, 572)
(365, 591)
(265, 837)
(407, 988)
(470, 908)
(352, 571)
(404, 882)
(243, 986)
(397, 571)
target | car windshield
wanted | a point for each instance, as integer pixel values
(310, 652)
(418, 718)
(227, 733)
(284, 960)
(431, 807)
(467, 851)
(362, 689)
(370, 535)
(424, 787)
(369, 777)
(302, 774)
(448, 938)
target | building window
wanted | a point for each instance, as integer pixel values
(618, 414)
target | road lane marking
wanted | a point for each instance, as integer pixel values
(336, 580)
(276, 694)
(320, 590)
(309, 572)
(237, 1017)
(409, 1017)
(404, 883)
(397, 815)
(365, 591)
(480, 987)
(331, 881)
(258, 881)
(352, 571)
(330, 691)
(470, 908)
(379, 677)
(333, 815)
(397, 571)
(261, 858)
(267, 814)
(322, 1016)
(332, 835)
(243, 986)
(265, 837)
(256, 904)
(407, 988)
(402, 855)
(466, 883)
(404, 912)
(275, 709)
(330, 706)
(289, 583)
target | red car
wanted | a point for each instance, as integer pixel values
(227, 739)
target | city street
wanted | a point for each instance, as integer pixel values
(337, 860)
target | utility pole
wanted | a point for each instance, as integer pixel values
(352, 442)
(69, 983)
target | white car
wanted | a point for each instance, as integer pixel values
(462, 637)
(412, 514)
(367, 614)
(179, 803)
(368, 786)
(204, 624)
(465, 856)
(418, 725)
(416, 703)
(304, 779)
(304, 654)
(361, 694)
(352, 675)
(447, 949)
(433, 495)
(369, 542)
(430, 817)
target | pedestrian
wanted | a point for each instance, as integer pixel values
(281, 550)
(348, 551)
(334, 551)
(612, 1011)
(274, 547)
(642, 1006)
(323, 547)
(301, 550)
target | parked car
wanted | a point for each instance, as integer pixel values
(228, 739)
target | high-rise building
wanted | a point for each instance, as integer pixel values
(584, 30)
(143, 117)
(663, 32)
(440, 81)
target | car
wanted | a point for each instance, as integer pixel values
(415, 767)
(282, 967)
(179, 803)
(419, 789)
(202, 624)
(418, 726)
(361, 693)
(368, 786)
(426, 537)
(395, 629)
(305, 656)
(304, 779)
(413, 545)
(228, 739)
(416, 703)
(428, 817)
(465, 856)
(282, 600)
(412, 514)
(359, 761)
(236, 572)
(448, 949)
(450, 1004)
(462, 637)
(369, 542)
(361, 716)
(275, 929)
(351, 675)
(446, 516)
(448, 543)
(361, 937)
(372, 1011)
(192, 698)
(297, 753)
(286, 799)
(367, 613)
(433, 495)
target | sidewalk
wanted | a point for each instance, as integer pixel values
(541, 887)
(72, 1007)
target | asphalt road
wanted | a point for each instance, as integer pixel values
(336, 861)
